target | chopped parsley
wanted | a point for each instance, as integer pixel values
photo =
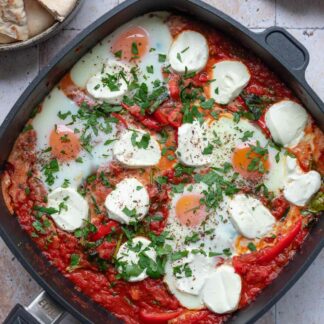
(28, 128)
(66, 183)
(227, 252)
(179, 255)
(247, 135)
(208, 149)
(63, 115)
(192, 238)
(161, 180)
(208, 104)
(143, 142)
(150, 69)
(258, 159)
(134, 48)
(162, 58)
(178, 188)
(46, 210)
(129, 212)
(49, 170)
(251, 246)
(118, 54)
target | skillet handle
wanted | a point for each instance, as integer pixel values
(42, 310)
(286, 48)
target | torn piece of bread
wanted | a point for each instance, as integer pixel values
(4, 39)
(13, 19)
(59, 9)
(38, 18)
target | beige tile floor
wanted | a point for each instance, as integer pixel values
(304, 303)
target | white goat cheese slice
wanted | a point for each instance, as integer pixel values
(128, 254)
(111, 84)
(300, 186)
(192, 144)
(71, 206)
(222, 290)
(229, 79)
(286, 121)
(128, 202)
(249, 217)
(189, 52)
(137, 149)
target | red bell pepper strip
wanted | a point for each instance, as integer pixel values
(121, 119)
(175, 119)
(203, 77)
(161, 116)
(174, 88)
(191, 317)
(156, 318)
(168, 116)
(241, 102)
(152, 124)
(262, 124)
(104, 229)
(268, 254)
(199, 80)
(145, 120)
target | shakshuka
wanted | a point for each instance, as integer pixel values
(170, 175)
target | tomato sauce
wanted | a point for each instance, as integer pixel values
(132, 301)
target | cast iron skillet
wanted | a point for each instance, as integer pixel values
(277, 48)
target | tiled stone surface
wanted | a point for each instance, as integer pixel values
(300, 13)
(17, 286)
(251, 13)
(16, 72)
(313, 39)
(90, 11)
(304, 303)
(51, 47)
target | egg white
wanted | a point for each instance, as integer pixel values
(226, 135)
(160, 41)
(45, 121)
(222, 236)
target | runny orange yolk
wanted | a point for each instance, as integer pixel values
(133, 43)
(189, 211)
(64, 143)
(249, 164)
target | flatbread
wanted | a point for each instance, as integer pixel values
(13, 19)
(38, 18)
(4, 39)
(59, 9)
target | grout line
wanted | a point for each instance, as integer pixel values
(275, 12)
(275, 307)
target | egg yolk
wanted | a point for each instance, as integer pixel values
(189, 211)
(249, 164)
(131, 44)
(64, 143)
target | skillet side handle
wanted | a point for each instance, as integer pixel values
(19, 315)
(287, 48)
(42, 310)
